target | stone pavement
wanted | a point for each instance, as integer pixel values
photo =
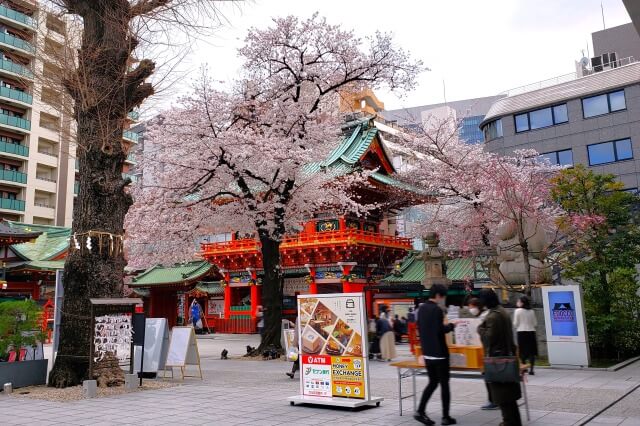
(240, 392)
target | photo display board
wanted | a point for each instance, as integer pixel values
(112, 333)
(333, 346)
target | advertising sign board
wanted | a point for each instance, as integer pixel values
(333, 350)
(565, 325)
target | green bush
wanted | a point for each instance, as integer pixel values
(19, 325)
(618, 329)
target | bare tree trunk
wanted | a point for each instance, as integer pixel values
(103, 91)
(271, 293)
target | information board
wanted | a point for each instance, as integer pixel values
(183, 349)
(156, 344)
(333, 349)
(112, 334)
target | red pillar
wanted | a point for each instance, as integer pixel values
(255, 293)
(227, 295)
(313, 285)
(346, 270)
(342, 223)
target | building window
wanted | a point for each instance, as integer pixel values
(603, 104)
(493, 130)
(560, 158)
(610, 152)
(541, 118)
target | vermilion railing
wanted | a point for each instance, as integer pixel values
(348, 236)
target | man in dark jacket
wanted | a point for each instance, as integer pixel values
(432, 331)
(496, 333)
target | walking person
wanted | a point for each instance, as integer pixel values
(476, 309)
(260, 317)
(384, 331)
(296, 363)
(411, 316)
(525, 322)
(397, 328)
(435, 352)
(496, 333)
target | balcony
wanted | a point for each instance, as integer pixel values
(130, 136)
(13, 176)
(131, 158)
(17, 122)
(12, 204)
(14, 148)
(134, 115)
(16, 68)
(15, 16)
(313, 240)
(16, 95)
(17, 43)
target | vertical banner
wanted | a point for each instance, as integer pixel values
(333, 346)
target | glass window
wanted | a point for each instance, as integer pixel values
(603, 104)
(522, 123)
(608, 152)
(540, 118)
(560, 114)
(596, 105)
(493, 130)
(601, 153)
(565, 158)
(623, 149)
(616, 100)
(551, 156)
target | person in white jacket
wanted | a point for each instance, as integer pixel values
(525, 322)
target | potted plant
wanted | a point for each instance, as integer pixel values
(20, 329)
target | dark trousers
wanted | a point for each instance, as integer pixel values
(489, 393)
(531, 358)
(438, 371)
(510, 414)
(295, 367)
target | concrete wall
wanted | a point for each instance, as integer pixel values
(623, 40)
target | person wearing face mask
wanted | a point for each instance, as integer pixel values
(475, 308)
(525, 322)
(432, 329)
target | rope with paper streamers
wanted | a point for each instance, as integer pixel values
(97, 240)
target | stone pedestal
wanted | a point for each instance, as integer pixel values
(90, 388)
(131, 381)
(435, 262)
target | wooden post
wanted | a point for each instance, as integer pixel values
(313, 285)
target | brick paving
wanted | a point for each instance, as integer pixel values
(241, 392)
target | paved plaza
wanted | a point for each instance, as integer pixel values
(241, 392)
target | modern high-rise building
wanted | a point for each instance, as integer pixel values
(37, 150)
(470, 112)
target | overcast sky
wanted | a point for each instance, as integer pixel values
(479, 48)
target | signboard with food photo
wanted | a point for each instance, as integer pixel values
(333, 343)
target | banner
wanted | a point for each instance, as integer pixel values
(332, 342)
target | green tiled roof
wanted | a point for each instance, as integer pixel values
(53, 241)
(41, 265)
(178, 273)
(412, 270)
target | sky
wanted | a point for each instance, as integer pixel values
(478, 48)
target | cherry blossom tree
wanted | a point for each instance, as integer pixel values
(483, 199)
(242, 159)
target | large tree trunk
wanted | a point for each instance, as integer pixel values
(271, 293)
(103, 91)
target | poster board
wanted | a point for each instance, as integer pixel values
(332, 339)
(112, 334)
(567, 341)
(156, 345)
(183, 350)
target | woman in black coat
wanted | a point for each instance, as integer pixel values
(496, 333)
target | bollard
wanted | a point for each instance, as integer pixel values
(90, 388)
(130, 381)
(8, 388)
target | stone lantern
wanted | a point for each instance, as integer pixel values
(435, 262)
